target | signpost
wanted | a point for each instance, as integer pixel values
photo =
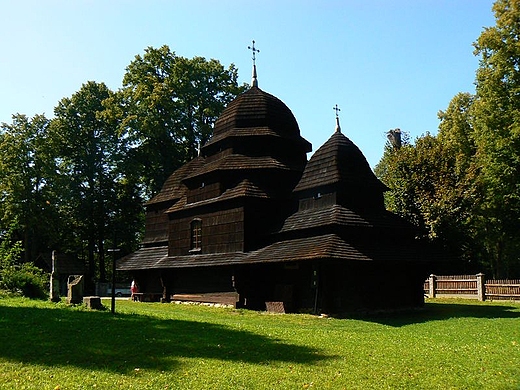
(113, 305)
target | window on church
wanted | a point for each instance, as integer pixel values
(196, 235)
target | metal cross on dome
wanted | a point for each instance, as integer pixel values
(254, 50)
(337, 109)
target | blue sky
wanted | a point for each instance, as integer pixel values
(386, 63)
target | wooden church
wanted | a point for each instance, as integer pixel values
(252, 222)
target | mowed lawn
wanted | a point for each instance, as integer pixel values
(451, 344)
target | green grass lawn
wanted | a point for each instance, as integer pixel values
(451, 344)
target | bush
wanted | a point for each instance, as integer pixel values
(25, 279)
(17, 277)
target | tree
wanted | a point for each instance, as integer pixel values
(88, 151)
(473, 165)
(167, 108)
(457, 137)
(26, 193)
(428, 191)
(497, 135)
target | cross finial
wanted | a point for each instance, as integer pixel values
(254, 81)
(254, 50)
(337, 109)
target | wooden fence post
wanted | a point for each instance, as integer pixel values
(481, 287)
(432, 285)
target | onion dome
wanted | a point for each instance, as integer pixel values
(257, 113)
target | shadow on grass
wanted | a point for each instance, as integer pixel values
(121, 343)
(441, 310)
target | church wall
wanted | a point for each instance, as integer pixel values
(222, 231)
(287, 282)
(369, 285)
(205, 191)
(362, 199)
(262, 218)
(318, 200)
(156, 222)
(201, 280)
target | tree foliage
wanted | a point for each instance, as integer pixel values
(167, 108)
(463, 185)
(18, 277)
(76, 183)
(497, 133)
(26, 193)
(88, 151)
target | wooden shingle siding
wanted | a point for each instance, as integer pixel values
(204, 192)
(317, 199)
(156, 221)
(222, 231)
(245, 188)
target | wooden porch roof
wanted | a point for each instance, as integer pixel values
(144, 258)
(324, 247)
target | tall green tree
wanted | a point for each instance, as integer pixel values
(28, 211)
(474, 162)
(425, 188)
(89, 152)
(497, 135)
(167, 107)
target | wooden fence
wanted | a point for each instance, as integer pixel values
(471, 286)
(503, 289)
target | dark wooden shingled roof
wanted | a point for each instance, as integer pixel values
(325, 247)
(328, 246)
(245, 132)
(340, 215)
(333, 215)
(256, 112)
(143, 258)
(238, 162)
(244, 189)
(338, 160)
(173, 187)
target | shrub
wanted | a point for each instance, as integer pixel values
(20, 278)
(25, 279)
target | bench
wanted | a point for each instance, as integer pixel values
(147, 297)
(222, 298)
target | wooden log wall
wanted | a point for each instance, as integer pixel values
(222, 231)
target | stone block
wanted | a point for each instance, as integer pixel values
(93, 302)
